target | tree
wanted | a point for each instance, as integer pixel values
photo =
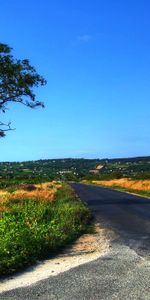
(17, 80)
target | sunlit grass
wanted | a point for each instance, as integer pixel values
(141, 187)
(36, 224)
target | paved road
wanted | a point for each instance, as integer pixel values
(127, 214)
(123, 273)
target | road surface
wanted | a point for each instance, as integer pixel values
(123, 273)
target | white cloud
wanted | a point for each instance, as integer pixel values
(85, 38)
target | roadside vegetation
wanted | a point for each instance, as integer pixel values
(36, 221)
(140, 187)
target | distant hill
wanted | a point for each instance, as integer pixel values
(74, 169)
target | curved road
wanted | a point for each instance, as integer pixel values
(124, 272)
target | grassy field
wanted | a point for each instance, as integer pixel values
(36, 221)
(140, 187)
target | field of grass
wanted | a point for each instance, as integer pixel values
(141, 187)
(37, 221)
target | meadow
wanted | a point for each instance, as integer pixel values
(37, 221)
(141, 187)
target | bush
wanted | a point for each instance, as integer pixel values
(26, 187)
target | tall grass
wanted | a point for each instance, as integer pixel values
(32, 229)
(140, 187)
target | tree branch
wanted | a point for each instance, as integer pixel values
(7, 127)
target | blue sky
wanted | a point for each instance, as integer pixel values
(95, 56)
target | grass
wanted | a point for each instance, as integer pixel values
(34, 228)
(128, 183)
(132, 191)
(139, 187)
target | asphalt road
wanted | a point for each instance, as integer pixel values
(124, 272)
(127, 214)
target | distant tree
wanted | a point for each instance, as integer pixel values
(17, 80)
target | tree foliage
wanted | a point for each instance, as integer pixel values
(17, 81)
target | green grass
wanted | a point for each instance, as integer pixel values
(31, 230)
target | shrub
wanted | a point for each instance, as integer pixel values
(27, 187)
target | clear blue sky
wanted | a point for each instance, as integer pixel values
(95, 56)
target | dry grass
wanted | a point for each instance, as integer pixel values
(140, 185)
(43, 192)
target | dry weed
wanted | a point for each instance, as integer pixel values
(141, 185)
(44, 192)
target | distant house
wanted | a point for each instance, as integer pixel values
(97, 169)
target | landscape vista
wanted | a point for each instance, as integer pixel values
(74, 150)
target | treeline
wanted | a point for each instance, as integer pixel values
(13, 173)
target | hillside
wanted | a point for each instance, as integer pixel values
(73, 169)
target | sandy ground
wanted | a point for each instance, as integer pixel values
(87, 248)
